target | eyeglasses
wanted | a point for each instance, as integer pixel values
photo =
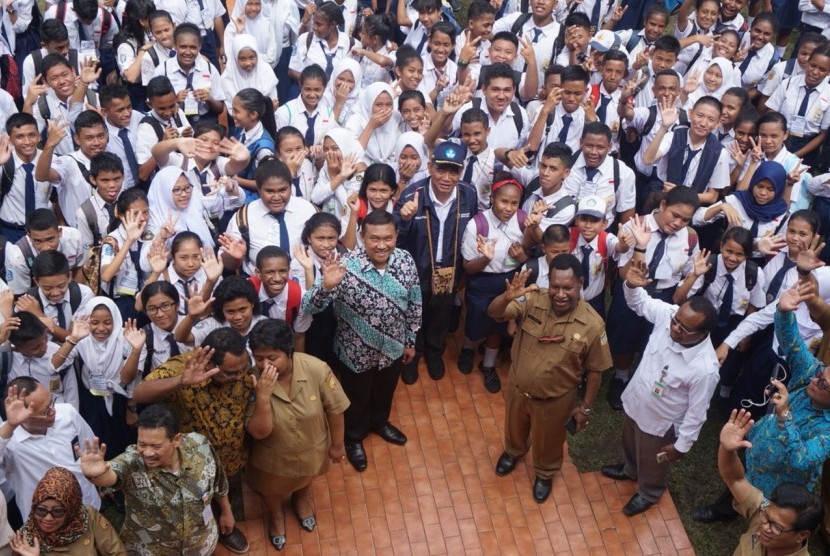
(821, 382)
(182, 190)
(51, 406)
(56, 513)
(776, 528)
(682, 328)
(163, 308)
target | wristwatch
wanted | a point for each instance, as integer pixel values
(786, 416)
(586, 411)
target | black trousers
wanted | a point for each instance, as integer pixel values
(435, 325)
(370, 394)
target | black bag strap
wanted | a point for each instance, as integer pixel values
(516, 29)
(149, 347)
(155, 124)
(74, 296)
(154, 56)
(45, 111)
(533, 265)
(26, 249)
(92, 221)
(244, 230)
(7, 179)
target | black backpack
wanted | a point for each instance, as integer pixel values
(518, 121)
(750, 274)
(74, 296)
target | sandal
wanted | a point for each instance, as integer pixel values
(278, 541)
(309, 523)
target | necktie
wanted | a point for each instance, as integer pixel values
(690, 155)
(61, 317)
(186, 286)
(243, 138)
(590, 174)
(203, 179)
(657, 256)
(595, 15)
(124, 135)
(30, 188)
(309, 132)
(745, 64)
(135, 257)
(189, 77)
(297, 191)
(808, 92)
(110, 211)
(422, 43)
(602, 109)
(566, 124)
(586, 265)
(329, 59)
(778, 280)
(82, 36)
(174, 347)
(722, 135)
(536, 34)
(267, 305)
(726, 303)
(284, 243)
(468, 171)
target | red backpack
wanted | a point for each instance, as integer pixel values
(295, 298)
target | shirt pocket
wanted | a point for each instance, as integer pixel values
(532, 325)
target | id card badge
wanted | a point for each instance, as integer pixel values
(98, 386)
(657, 389)
(797, 125)
(129, 284)
(55, 386)
(191, 105)
(88, 51)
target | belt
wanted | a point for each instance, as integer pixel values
(16, 227)
(534, 398)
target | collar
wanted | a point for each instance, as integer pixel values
(18, 162)
(81, 157)
(174, 63)
(577, 314)
(298, 376)
(366, 264)
(434, 201)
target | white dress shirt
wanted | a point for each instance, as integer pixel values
(619, 201)
(294, 113)
(503, 234)
(542, 46)
(720, 174)
(574, 129)
(13, 208)
(161, 349)
(301, 323)
(72, 187)
(597, 265)
(102, 217)
(503, 133)
(690, 376)
(18, 273)
(64, 388)
(741, 298)
(116, 146)
(677, 261)
(205, 76)
(787, 100)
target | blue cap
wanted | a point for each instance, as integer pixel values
(449, 153)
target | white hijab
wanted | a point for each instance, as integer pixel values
(381, 146)
(104, 358)
(234, 79)
(726, 68)
(262, 28)
(340, 66)
(416, 141)
(191, 218)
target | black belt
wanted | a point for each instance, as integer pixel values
(15, 227)
(534, 398)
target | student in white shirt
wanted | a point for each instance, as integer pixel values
(440, 72)
(555, 241)
(307, 112)
(377, 191)
(91, 28)
(715, 80)
(324, 45)
(279, 296)
(293, 152)
(344, 87)
(248, 68)
(761, 54)
(375, 123)
(565, 104)
(160, 301)
(54, 39)
(342, 173)
(165, 120)
(412, 159)
(161, 28)
(794, 65)
(95, 215)
(132, 44)
(546, 201)
(255, 130)
(374, 54)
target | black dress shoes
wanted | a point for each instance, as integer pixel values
(435, 367)
(637, 505)
(616, 472)
(356, 455)
(541, 489)
(506, 464)
(391, 434)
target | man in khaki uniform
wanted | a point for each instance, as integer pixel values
(559, 338)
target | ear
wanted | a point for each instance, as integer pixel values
(177, 440)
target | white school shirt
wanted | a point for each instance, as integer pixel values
(218, 201)
(67, 111)
(302, 322)
(179, 10)
(800, 196)
(13, 208)
(308, 177)
(482, 56)
(543, 278)
(161, 349)
(294, 113)
(597, 266)
(758, 65)
(265, 230)
(574, 130)
(51, 311)
(18, 273)
(563, 216)
(503, 134)
(27, 74)
(7, 108)
(612, 116)
(373, 72)
(148, 66)
(93, 31)
(810, 15)
(26, 457)
(72, 187)
(417, 36)
(765, 229)
(125, 281)
(787, 100)
(482, 177)
(720, 174)
(625, 36)
(432, 74)
(741, 297)
(181, 284)
(504, 234)
(116, 146)
(542, 46)
(677, 261)
(147, 138)
(65, 389)
(205, 76)
(102, 217)
(690, 376)
(316, 52)
(775, 77)
(638, 122)
(203, 328)
(619, 201)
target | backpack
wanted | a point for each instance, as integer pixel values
(7, 180)
(3, 243)
(483, 226)
(750, 274)
(74, 296)
(106, 21)
(518, 121)
(242, 225)
(295, 298)
(37, 59)
(26, 249)
(629, 147)
(516, 29)
(156, 125)
(533, 265)
(46, 112)
(93, 275)
(92, 267)
(602, 243)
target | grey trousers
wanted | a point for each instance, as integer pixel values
(640, 450)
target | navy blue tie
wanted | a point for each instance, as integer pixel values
(566, 125)
(124, 135)
(657, 256)
(586, 265)
(174, 347)
(726, 303)
(745, 64)
(82, 36)
(309, 132)
(285, 244)
(30, 188)
(135, 257)
(595, 16)
(590, 174)
(808, 92)
(468, 171)
(602, 109)
(266, 307)
(422, 43)
(778, 279)
(61, 317)
(203, 179)
(536, 34)
(690, 155)
(329, 59)
(297, 191)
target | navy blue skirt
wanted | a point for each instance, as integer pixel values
(482, 288)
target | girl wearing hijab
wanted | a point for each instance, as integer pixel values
(251, 18)
(714, 82)
(761, 209)
(375, 123)
(61, 522)
(343, 88)
(108, 352)
(412, 158)
(248, 68)
(377, 192)
(342, 173)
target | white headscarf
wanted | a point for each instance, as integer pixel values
(346, 142)
(381, 146)
(416, 141)
(103, 358)
(191, 218)
(726, 68)
(234, 79)
(341, 65)
(262, 28)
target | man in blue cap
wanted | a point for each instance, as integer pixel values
(431, 216)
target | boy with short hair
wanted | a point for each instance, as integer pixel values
(42, 234)
(545, 200)
(606, 94)
(429, 13)
(165, 120)
(503, 48)
(556, 240)
(94, 216)
(473, 43)
(577, 38)
(537, 29)
(280, 297)
(54, 39)
(664, 55)
(122, 123)
(565, 104)
(91, 28)
(638, 43)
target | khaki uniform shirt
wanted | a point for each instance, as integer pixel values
(750, 543)
(218, 411)
(299, 443)
(169, 513)
(551, 353)
(100, 538)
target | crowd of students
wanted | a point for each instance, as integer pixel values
(171, 168)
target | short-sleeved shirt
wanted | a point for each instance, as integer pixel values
(750, 544)
(169, 513)
(298, 445)
(205, 76)
(18, 271)
(550, 353)
(220, 412)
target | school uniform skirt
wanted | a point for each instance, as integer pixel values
(110, 429)
(482, 288)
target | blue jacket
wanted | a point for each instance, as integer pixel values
(412, 235)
